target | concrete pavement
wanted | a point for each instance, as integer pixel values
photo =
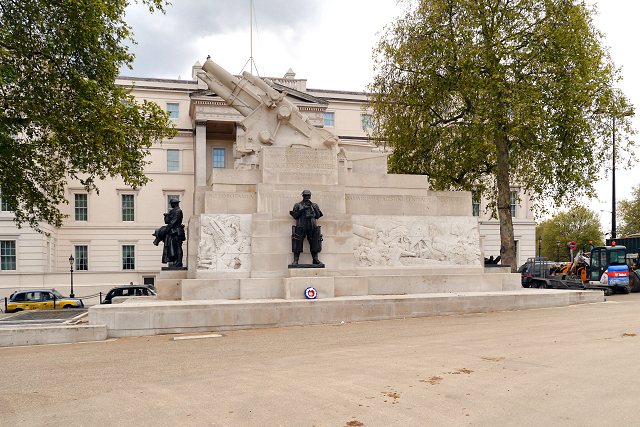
(569, 366)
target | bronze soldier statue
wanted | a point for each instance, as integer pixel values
(306, 213)
(172, 235)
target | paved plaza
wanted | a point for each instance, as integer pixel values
(570, 366)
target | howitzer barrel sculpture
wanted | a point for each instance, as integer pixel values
(270, 119)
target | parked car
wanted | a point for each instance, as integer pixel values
(35, 299)
(129, 291)
(534, 269)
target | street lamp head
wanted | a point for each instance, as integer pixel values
(71, 260)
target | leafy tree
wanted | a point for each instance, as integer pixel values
(629, 214)
(61, 114)
(578, 224)
(480, 94)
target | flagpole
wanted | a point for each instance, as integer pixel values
(251, 36)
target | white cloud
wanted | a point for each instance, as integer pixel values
(328, 42)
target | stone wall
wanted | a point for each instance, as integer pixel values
(242, 228)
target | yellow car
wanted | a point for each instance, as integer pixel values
(39, 299)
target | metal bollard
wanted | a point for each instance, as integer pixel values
(5, 304)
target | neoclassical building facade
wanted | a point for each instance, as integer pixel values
(109, 235)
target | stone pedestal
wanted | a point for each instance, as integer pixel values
(301, 278)
(294, 287)
(382, 234)
(169, 284)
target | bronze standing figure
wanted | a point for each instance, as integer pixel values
(172, 234)
(306, 213)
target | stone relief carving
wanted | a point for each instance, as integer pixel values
(396, 241)
(225, 242)
(343, 160)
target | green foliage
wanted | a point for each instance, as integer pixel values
(579, 225)
(480, 94)
(61, 114)
(629, 214)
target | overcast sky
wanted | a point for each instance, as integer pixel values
(329, 43)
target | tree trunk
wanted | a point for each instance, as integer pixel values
(507, 243)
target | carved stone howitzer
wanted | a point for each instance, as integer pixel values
(270, 119)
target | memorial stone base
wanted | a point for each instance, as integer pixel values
(392, 249)
(382, 234)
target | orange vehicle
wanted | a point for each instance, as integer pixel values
(577, 268)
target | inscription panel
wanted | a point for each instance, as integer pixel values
(391, 204)
(216, 195)
(434, 204)
(225, 202)
(212, 111)
(295, 158)
(281, 202)
(305, 166)
(456, 204)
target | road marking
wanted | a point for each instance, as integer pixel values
(196, 337)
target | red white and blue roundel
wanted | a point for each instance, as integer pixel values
(310, 293)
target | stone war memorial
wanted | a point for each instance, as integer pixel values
(382, 233)
(386, 240)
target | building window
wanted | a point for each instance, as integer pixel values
(475, 203)
(5, 204)
(218, 158)
(7, 255)
(173, 160)
(514, 196)
(81, 207)
(173, 110)
(128, 210)
(366, 121)
(149, 281)
(128, 257)
(329, 119)
(82, 258)
(169, 197)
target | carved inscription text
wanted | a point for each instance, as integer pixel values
(299, 159)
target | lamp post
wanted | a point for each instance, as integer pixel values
(540, 247)
(558, 253)
(71, 295)
(613, 183)
(613, 172)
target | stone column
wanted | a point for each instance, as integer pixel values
(200, 153)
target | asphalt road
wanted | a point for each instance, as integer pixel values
(572, 366)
